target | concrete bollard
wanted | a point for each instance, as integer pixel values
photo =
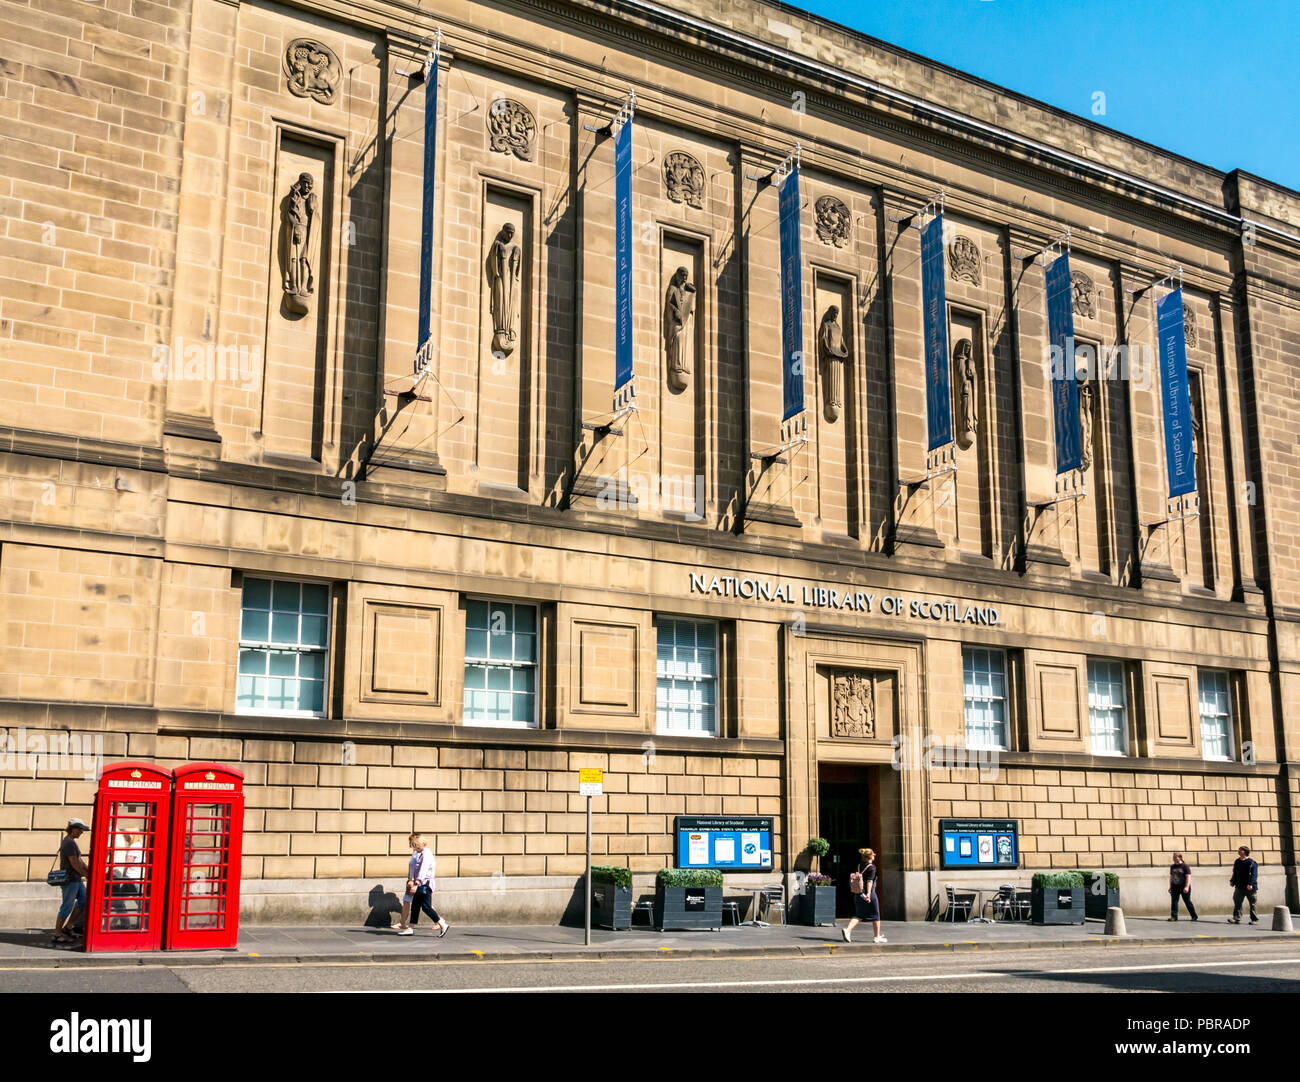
(1281, 919)
(1115, 921)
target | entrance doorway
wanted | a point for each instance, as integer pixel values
(849, 816)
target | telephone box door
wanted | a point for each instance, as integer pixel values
(128, 858)
(206, 851)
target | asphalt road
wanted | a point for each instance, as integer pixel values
(1265, 968)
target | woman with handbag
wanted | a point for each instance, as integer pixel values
(69, 878)
(866, 902)
(419, 889)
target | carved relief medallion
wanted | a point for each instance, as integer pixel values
(1085, 295)
(832, 221)
(313, 70)
(684, 179)
(964, 259)
(511, 129)
(1189, 326)
(853, 705)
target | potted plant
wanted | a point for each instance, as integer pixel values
(817, 905)
(819, 847)
(688, 899)
(611, 896)
(1057, 898)
(1100, 893)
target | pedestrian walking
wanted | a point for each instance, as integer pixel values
(866, 900)
(419, 889)
(74, 872)
(1180, 886)
(1245, 885)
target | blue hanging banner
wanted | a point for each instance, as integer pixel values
(426, 210)
(934, 301)
(1175, 402)
(1065, 389)
(791, 298)
(623, 256)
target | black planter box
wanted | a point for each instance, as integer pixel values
(611, 906)
(1057, 905)
(679, 909)
(817, 905)
(1097, 904)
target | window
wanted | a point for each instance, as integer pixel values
(283, 642)
(1107, 716)
(1216, 715)
(985, 676)
(501, 664)
(686, 698)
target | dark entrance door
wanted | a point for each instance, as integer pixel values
(845, 813)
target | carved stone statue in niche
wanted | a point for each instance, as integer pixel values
(1084, 295)
(313, 70)
(1189, 326)
(967, 376)
(511, 129)
(830, 343)
(1085, 421)
(679, 306)
(684, 179)
(299, 242)
(853, 705)
(964, 259)
(504, 261)
(832, 221)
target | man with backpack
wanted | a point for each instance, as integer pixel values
(1245, 885)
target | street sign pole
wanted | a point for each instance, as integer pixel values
(590, 783)
(587, 924)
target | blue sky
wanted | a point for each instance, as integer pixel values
(1213, 80)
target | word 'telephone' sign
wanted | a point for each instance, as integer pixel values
(979, 843)
(740, 843)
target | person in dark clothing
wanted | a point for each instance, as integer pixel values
(1245, 885)
(1180, 886)
(866, 903)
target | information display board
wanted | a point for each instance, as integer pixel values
(741, 843)
(979, 843)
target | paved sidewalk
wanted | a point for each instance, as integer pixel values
(31, 949)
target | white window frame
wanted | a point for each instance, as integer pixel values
(488, 663)
(1225, 715)
(268, 646)
(989, 653)
(1112, 680)
(675, 679)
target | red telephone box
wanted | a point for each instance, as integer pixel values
(128, 858)
(206, 850)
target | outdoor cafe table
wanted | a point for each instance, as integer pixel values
(979, 893)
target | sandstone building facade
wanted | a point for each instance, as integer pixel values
(226, 531)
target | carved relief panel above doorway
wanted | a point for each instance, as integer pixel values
(862, 704)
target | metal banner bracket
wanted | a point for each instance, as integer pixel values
(421, 73)
(624, 114)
